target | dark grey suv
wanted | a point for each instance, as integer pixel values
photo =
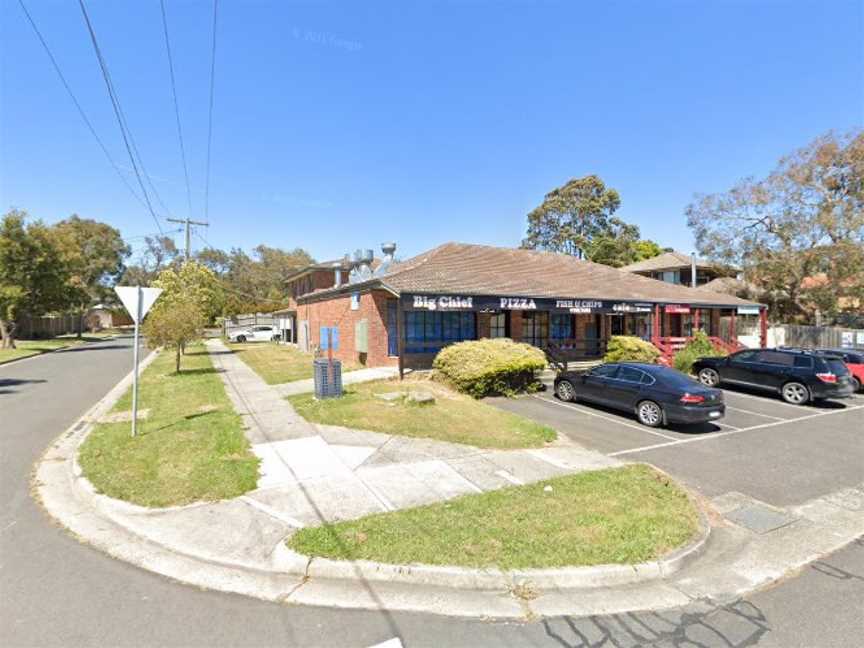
(797, 376)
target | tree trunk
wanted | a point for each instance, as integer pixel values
(7, 331)
(177, 359)
(80, 322)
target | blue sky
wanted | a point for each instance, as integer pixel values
(340, 125)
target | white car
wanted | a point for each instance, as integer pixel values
(254, 334)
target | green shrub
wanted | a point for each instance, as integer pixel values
(699, 347)
(625, 348)
(489, 367)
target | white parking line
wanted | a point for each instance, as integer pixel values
(571, 406)
(718, 435)
(762, 399)
(738, 409)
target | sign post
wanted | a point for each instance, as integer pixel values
(137, 301)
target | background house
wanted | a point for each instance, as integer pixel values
(676, 268)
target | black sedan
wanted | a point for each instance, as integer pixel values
(657, 395)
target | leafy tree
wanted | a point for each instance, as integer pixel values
(578, 219)
(174, 326)
(159, 253)
(647, 249)
(798, 234)
(33, 278)
(190, 283)
(572, 216)
(93, 253)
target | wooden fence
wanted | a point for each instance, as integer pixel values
(831, 337)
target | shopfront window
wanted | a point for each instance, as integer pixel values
(498, 325)
(535, 328)
(429, 331)
(562, 326)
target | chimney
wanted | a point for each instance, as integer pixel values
(337, 274)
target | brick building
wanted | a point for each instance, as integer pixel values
(402, 313)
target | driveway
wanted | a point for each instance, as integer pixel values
(777, 453)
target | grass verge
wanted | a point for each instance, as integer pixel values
(622, 515)
(452, 417)
(278, 363)
(27, 348)
(190, 448)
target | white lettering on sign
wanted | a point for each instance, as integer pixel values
(579, 306)
(518, 303)
(444, 302)
(631, 308)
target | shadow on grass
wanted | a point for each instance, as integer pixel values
(195, 372)
(188, 417)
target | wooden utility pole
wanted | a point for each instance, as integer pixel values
(188, 223)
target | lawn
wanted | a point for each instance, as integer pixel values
(452, 417)
(278, 363)
(190, 448)
(27, 348)
(622, 515)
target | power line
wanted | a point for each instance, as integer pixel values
(117, 112)
(176, 105)
(75, 101)
(210, 117)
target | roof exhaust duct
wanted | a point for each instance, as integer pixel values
(388, 250)
(362, 266)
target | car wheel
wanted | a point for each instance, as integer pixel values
(649, 413)
(241, 339)
(564, 390)
(856, 384)
(795, 393)
(709, 377)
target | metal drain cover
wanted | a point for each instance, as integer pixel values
(759, 519)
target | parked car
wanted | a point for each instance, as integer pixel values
(260, 333)
(854, 361)
(656, 395)
(798, 376)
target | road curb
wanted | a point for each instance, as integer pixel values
(563, 578)
(701, 569)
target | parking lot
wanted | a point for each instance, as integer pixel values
(778, 453)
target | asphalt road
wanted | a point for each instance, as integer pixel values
(55, 591)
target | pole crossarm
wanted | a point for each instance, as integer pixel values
(188, 222)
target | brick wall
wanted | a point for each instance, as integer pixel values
(337, 312)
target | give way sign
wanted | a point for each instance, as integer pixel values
(129, 295)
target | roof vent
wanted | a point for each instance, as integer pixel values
(388, 250)
(361, 266)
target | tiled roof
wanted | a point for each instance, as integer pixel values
(464, 269)
(665, 261)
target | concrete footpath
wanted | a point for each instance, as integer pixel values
(307, 386)
(311, 474)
